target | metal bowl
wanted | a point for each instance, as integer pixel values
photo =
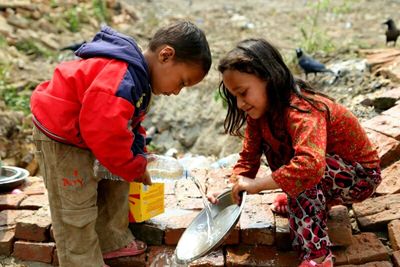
(11, 177)
(194, 242)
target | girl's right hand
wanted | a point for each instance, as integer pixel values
(212, 197)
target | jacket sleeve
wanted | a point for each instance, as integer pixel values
(105, 125)
(309, 137)
(249, 161)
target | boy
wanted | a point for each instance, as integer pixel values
(91, 109)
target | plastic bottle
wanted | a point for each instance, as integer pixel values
(165, 168)
(160, 168)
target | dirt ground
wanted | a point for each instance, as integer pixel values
(340, 29)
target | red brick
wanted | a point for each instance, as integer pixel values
(157, 255)
(396, 258)
(31, 251)
(212, 259)
(259, 256)
(10, 201)
(191, 203)
(384, 124)
(6, 241)
(34, 185)
(135, 261)
(366, 247)
(390, 180)
(257, 223)
(282, 233)
(371, 264)
(170, 202)
(233, 237)
(34, 202)
(173, 222)
(187, 188)
(339, 227)
(55, 258)
(8, 217)
(388, 148)
(394, 234)
(217, 180)
(33, 228)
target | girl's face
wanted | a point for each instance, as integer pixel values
(249, 90)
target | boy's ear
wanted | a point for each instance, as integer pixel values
(166, 53)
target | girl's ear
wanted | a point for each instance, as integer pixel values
(166, 54)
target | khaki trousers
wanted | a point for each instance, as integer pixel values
(89, 215)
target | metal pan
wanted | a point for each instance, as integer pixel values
(194, 242)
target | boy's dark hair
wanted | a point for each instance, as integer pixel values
(259, 57)
(189, 42)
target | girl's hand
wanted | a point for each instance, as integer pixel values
(241, 183)
(212, 197)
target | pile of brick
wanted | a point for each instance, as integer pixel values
(260, 239)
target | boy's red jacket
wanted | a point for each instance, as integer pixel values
(98, 103)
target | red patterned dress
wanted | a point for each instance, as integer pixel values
(315, 157)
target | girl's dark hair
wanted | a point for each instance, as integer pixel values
(259, 57)
(189, 42)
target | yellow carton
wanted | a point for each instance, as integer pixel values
(145, 201)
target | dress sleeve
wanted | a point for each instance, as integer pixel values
(309, 138)
(249, 161)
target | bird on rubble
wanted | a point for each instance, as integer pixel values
(310, 65)
(392, 33)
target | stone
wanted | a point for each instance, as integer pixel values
(173, 222)
(6, 241)
(260, 256)
(150, 234)
(257, 223)
(394, 234)
(33, 228)
(32, 251)
(384, 124)
(10, 201)
(396, 258)
(390, 180)
(366, 247)
(339, 227)
(388, 148)
(376, 213)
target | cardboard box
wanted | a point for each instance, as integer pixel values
(145, 201)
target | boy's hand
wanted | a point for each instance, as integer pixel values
(145, 178)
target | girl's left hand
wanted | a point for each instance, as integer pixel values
(242, 183)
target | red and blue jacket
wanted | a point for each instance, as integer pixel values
(98, 103)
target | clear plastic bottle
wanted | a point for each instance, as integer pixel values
(165, 168)
(160, 168)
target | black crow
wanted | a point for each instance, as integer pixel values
(392, 32)
(72, 47)
(310, 65)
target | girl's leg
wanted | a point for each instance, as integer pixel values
(342, 183)
(307, 222)
(348, 182)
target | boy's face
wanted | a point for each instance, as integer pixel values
(250, 92)
(169, 76)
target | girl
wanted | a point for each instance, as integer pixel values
(317, 150)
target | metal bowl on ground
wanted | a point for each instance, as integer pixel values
(11, 177)
(195, 243)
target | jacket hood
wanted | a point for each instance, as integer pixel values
(112, 44)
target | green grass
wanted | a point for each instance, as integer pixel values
(32, 48)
